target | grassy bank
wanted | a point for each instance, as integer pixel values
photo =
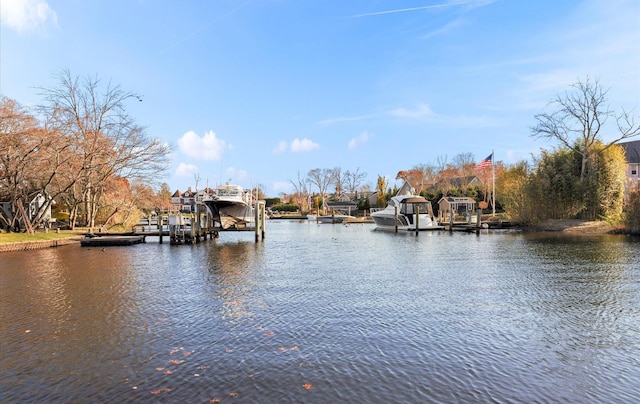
(39, 236)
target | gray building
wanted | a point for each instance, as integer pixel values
(632, 153)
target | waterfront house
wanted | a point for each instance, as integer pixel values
(632, 154)
(176, 201)
(344, 203)
(186, 201)
(36, 201)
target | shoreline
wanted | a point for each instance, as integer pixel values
(575, 226)
(38, 245)
(572, 226)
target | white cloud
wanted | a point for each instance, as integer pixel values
(357, 141)
(282, 186)
(296, 145)
(281, 147)
(303, 145)
(207, 147)
(27, 15)
(236, 175)
(421, 111)
(186, 170)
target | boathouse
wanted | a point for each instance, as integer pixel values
(459, 205)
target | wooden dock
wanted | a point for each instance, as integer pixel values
(191, 228)
(107, 240)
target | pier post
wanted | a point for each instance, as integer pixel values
(260, 219)
(417, 219)
(263, 212)
(451, 220)
(195, 225)
(395, 216)
(478, 220)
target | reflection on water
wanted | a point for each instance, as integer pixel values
(320, 313)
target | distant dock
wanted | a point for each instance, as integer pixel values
(108, 240)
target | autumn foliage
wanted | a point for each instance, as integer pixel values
(84, 152)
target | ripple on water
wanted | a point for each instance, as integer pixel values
(325, 313)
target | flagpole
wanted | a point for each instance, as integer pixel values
(493, 183)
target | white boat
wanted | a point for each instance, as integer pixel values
(231, 207)
(406, 211)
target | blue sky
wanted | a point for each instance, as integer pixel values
(262, 91)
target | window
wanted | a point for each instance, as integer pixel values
(634, 172)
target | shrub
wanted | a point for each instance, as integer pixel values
(632, 212)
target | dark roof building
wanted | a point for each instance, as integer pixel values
(632, 153)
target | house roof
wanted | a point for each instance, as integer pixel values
(341, 204)
(457, 199)
(632, 151)
(458, 182)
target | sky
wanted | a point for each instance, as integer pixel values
(261, 92)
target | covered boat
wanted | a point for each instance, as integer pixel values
(406, 211)
(231, 207)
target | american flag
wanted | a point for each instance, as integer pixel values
(486, 163)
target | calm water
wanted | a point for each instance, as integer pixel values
(325, 313)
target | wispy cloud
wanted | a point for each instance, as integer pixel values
(331, 121)
(361, 139)
(404, 10)
(453, 25)
(282, 186)
(213, 21)
(281, 147)
(236, 175)
(420, 111)
(27, 15)
(598, 40)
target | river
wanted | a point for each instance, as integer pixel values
(319, 313)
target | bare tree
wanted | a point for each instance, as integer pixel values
(580, 116)
(465, 162)
(301, 192)
(106, 139)
(353, 179)
(196, 178)
(441, 163)
(321, 178)
(338, 180)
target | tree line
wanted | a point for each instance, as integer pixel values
(80, 149)
(581, 178)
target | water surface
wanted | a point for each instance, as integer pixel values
(325, 313)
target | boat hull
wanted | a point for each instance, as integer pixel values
(389, 221)
(231, 214)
